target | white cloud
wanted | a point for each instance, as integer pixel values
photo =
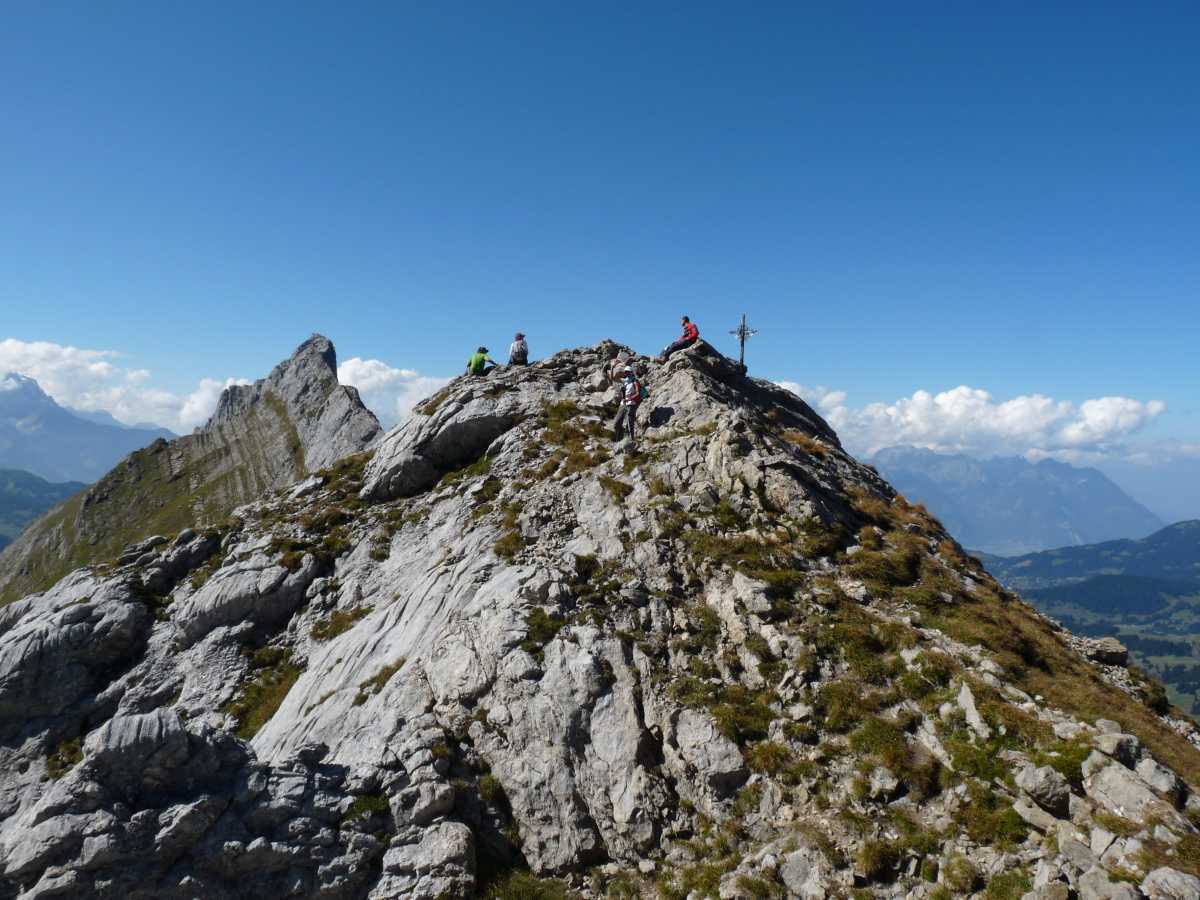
(92, 380)
(95, 380)
(1110, 417)
(970, 420)
(200, 403)
(388, 392)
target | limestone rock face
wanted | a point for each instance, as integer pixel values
(730, 660)
(262, 437)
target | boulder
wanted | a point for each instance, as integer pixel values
(1046, 787)
(139, 752)
(1034, 815)
(715, 757)
(1094, 884)
(1125, 748)
(1161, 779)
(1170, 884)
(1121, 792)
(966, 702)
(1107, 651)
(441, 845)
(806, 874)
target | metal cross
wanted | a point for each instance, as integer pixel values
(741, 333)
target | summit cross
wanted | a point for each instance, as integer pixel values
(742, 332)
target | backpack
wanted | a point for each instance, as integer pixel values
(643, 394)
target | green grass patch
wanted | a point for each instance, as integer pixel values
(769, 757)
(960, 875)
(885, 570)
(615, 488)
(541, 628)
(65, 757)
(522, 885)
(509, 544)
(988, 818)
(843, 704)
(1008, 886)
(878, 859)
(742, 715)
(366, 805)
(369, 687)
(275, 672)
(431, 405)
(476, 469)
(1066, 758)
(339, 622)
(346, 475)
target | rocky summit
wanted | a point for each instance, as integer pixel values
(262, 436)
(499, 655)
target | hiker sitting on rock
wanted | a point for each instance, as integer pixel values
(518, 351)
(690, 335)
(631, 397)
(480, 363)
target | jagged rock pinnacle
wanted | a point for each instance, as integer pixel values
(262, 436)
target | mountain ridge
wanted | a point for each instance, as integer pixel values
(497, 655)
(1171, 553)
(24, 496)
(39, 436)
(1008, 505)
(262, 436)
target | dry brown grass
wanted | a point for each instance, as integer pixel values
(806, 442)
(1041, 664)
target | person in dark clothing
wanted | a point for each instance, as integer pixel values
(690, 335)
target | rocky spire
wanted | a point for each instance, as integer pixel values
(262, 436)
(731, 663)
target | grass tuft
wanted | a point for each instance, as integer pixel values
(369, 687)
(65, 757)
(341, 621)
(276, 673)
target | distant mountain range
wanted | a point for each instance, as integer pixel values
(1008, 505)
(39, 436)
(1144, 592)
(24, 497)
(1171, 554)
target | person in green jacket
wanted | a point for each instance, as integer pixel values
(480, 363)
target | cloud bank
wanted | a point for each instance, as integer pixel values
(970, 420)
(962, 420)
(388, 392)
(94, 380)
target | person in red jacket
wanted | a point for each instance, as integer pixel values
(690, 335)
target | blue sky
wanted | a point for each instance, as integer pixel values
(904, 197)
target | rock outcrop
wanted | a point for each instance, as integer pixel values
(262, 436)
(731, 662)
